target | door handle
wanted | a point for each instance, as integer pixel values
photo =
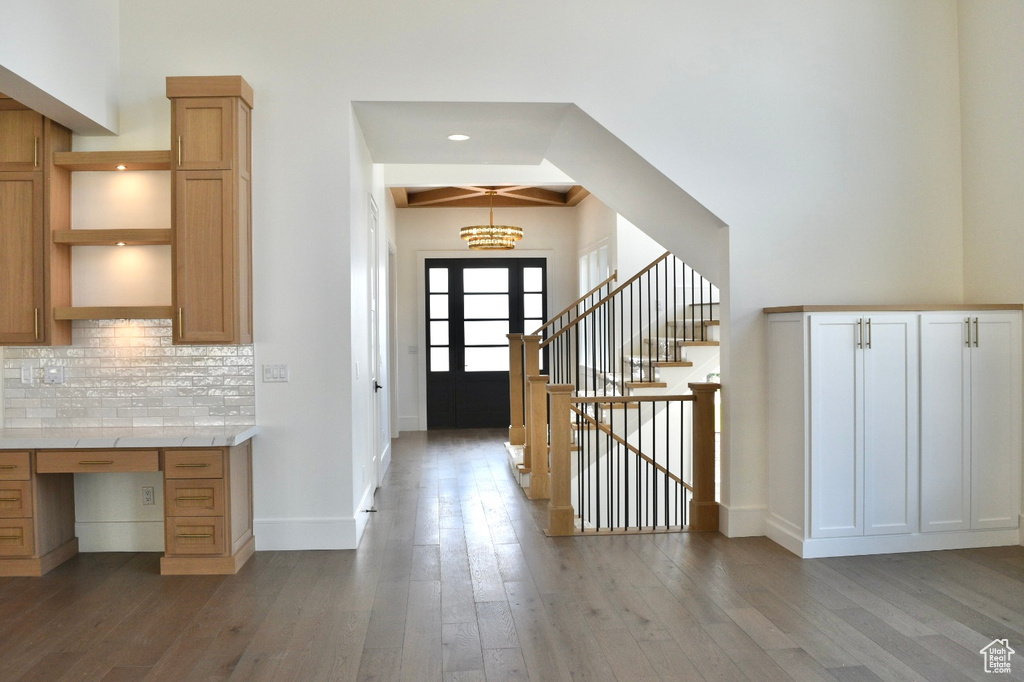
(376, 386)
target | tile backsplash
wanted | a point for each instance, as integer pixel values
(128, 373)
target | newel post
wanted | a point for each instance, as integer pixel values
(517, 427)
(531, 367)
(561, 517)
(538, 437)
(703, 506)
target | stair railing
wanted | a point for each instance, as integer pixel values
(520, 369)
(658, 477)
(604, 348)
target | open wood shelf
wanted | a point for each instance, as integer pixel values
(154, 237)
(108, 161)
(153, 312)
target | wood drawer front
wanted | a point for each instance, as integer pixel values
(14, 466)
(15, 499)
(194, 535)
(16, 537)
(193, 463)
(194, 497)
(89, 461)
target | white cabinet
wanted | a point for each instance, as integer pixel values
(863, 374)
(888, 432)
(970, 421)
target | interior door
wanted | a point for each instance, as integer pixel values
(472, 305)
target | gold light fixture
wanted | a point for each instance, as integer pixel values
(491, 236)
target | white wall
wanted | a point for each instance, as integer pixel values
(827, 135)
(434, 233)
(61, 59)
(991, 77)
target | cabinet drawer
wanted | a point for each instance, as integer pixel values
(87, 461)
(16, 537)
(193, 464)
(15, 499)
(194, 497)
(194, 535)
(14, 466)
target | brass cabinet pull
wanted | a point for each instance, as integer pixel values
(192, 465)
(860, 333)
(192, 498)
(96, 461)
(35, 154)
(195, 535)
(975, 332)
(10, 499)
(37, 323)
(10, 537)
(968, 323)
(181, 325)
(179, 151)
(8, 466)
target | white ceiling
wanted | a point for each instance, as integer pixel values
(499, 133)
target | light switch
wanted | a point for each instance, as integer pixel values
(275, 374)
(26, 375)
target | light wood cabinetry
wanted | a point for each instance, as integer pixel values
(207, 510)
(207, 514)
(34, 199)
(212, 199)
(889, 432)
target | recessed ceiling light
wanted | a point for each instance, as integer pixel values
(458, 137)
(120, 166)
(120, 243)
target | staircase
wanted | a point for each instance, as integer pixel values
(606, 401)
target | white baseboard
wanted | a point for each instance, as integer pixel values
(120, 536)
(409, 424)
(741, 522)
(812, 548)
(297, 534)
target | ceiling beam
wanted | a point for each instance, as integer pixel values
(401, 197)
(575, 195)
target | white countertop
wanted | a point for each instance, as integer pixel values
(152, 437)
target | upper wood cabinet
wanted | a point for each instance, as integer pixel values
(212, 199)
(21, 137)
(34, 201)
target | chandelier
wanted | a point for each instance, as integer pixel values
(491, 236)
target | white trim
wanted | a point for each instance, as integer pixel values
(409, 424)
(889, 544)
(421, 312)
(299, 534)
(741, 522)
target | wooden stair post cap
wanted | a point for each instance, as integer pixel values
(209, 86)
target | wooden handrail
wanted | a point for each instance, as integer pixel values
(582, 298)
(604, 300)
(604, 428)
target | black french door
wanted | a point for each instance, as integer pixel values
(472, 304)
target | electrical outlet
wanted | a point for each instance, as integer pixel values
(148, 495)
(53, 375)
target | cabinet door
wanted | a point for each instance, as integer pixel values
(203, 127)
(837, 450)
(204, 257)
(945, 428)
(21, 137)
(21, 258)
(890, 424)
(995, 409)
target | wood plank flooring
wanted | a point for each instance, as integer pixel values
(455, 581)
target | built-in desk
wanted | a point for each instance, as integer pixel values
(207, 494)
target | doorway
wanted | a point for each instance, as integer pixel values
(472, 305)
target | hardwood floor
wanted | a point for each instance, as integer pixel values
(455, 581)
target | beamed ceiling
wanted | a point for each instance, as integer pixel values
(473, 196)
